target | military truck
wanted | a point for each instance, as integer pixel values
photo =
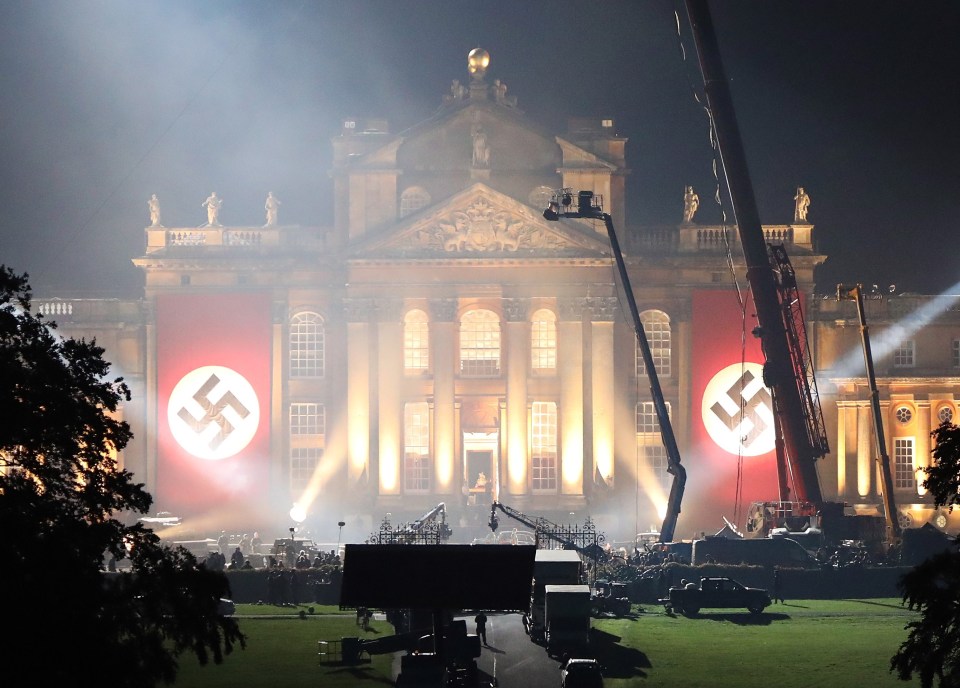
(715, 593)
(607, 597)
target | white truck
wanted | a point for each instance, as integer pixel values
(551, 567)
(567, 617)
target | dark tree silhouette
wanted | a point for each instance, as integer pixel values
(64, 503)
(932, 648)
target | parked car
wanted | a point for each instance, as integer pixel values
(579, 672)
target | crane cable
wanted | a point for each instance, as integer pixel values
(725, 234)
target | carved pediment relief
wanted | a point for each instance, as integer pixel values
(481, 221)
(480, 227)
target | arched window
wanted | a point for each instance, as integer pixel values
(656, 325)
(543, 445)
(480, 344)
(306, 345)
(416, 342)
(416, 447)
(412, 199)
(543, 340)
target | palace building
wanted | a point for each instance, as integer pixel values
(441, 341)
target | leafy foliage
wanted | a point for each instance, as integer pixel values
(932, 648)
(943, 477)
(65, 502)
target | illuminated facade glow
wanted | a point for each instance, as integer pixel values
(436, 326)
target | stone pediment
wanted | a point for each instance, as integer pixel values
(483, 222)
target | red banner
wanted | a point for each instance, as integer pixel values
(731, 415)
(213, 376)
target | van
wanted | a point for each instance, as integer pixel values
(779, 551)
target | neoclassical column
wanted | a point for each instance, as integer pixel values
(603, 312)
(570, 370)
(357, 313)
(443, 330)
(390, 403)
(865, 450)
(840, 447)
(922, 457)
(518, 369)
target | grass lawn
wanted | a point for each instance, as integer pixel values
(800, 644)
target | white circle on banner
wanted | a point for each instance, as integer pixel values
(737, 410)
(213, 412)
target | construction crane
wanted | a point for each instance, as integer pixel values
(782, 370)
(780, 373)
(589, 206)
(894, 532)
(794, 506)
(584, 542)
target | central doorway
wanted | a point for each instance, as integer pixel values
(480, 466)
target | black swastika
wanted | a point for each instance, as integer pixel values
(748, 411)
(213, 412)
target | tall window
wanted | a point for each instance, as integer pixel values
(416, 342)
(307, 432)
(544, 447)
(412, 199)
(480, 344)
(416, 447)
(306, 345)
(955, 353)
(543, 340)
(656, 325)
(903, 355)
(903, 476)
(650, 449)
(303, 463)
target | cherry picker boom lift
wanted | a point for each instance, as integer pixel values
(589, 207)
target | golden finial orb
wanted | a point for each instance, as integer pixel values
(477, 62)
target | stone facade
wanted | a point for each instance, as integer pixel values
(440, 328)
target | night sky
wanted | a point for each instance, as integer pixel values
(103, 103)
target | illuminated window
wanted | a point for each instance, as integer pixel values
(903, 476)
(656, 325)
(945, 414)
(540, 197)
(955, 353)
(412, 199)
(306, 345)
(416, 447)
(303, 463)
(307, 429)
(416, 342)
(903, 355)
(904, 414)
(543, 469)
(480, 344)
(543, 340)
(307, 419)
(650, 449)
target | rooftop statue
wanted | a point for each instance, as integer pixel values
(272, 206)
(481, 149)
(802, 205)
(212, 204)
(153, 204)
(691, 201)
